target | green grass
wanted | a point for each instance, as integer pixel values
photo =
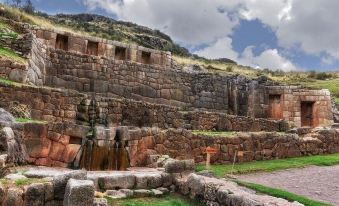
(28, 181)
(337, 100)
(165, 201)
(273, 165)
(25, 120)
(11, 55)
(281, 194)
(214, 134)
(331, 84)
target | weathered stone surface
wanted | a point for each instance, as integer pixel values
(178, 166)
(100, 202)
(60, 182)
(142, 193)
(119, 181)
(13, 197)
(6, 116)
(79, 193)
(15, 177)
(35, 194)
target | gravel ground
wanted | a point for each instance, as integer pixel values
(318, 183)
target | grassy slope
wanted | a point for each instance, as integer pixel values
(165, 201)
(11, 55)
(272, 165)
(282, 194)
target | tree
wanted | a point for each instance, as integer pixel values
(28, 7)
(16, 3)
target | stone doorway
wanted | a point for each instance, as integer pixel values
(307, 114)
(92, 48)
(275, 111)
(61, 42)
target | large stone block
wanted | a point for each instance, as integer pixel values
(60, 182)
(79, 193)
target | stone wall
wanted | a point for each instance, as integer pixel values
(64, 62)
(13, 71)
(79, 44)
(58, 105)
(182, 144)
(58, 144)
(291, 99)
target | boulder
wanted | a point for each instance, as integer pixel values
(127, 192)
(119, 181)
(100, 202)
(13, 197)
(35, 194)
(6, 117)
(60, 182)
(179, 166)
(15, 177)
(79, 193)
(142, 193)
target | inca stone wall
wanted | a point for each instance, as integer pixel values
(112, 69)
(58, 105)
(58, 144)
(182, 144)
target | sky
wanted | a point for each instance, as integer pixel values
(276, 34)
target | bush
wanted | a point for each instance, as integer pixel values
(229, 69)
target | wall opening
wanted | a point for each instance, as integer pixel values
(120, 53)
(275, 110)
(61, 42)
(307, 114)
(92, 48)
(75, 140)
(146, 57)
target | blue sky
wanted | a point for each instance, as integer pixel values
(275, 34)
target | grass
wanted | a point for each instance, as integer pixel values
(11, 55)
(214, 134)
(273, 165)
(281, 194)
(337, 100)
(25, 120)
(165, 201)
(331, 84)
(10, 82)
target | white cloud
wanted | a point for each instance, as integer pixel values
(310, 27)
(190, 22)
(219, 49)
(269, 58)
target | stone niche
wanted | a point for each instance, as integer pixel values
(145, 57)
(120, 53)
(61, 42)
(92, 48)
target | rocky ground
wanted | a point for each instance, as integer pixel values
(319, 183)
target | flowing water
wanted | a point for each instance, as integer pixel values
(107, 157)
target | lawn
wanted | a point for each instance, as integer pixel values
(272, 165)
(281, 194)
(214, 134)
(165, 201)
(11, 55)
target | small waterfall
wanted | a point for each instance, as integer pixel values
(109, 154)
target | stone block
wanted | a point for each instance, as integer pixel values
(79, 193)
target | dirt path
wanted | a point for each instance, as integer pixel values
(318, 183)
